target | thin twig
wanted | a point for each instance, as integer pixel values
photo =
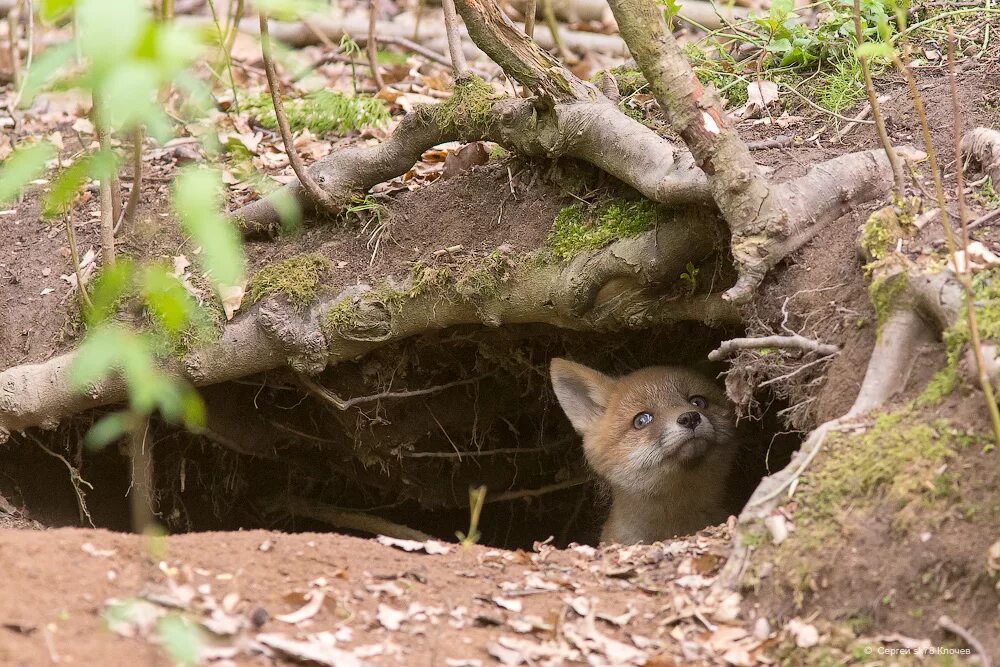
(534, 493)
(529, 18)
(127, 218)
(312, 188)
(344, 519)
(985, 218)
(883, 135)
(458, 64)
(342, 404)
(776, 142)
(730, 347)
(141, 497)
(74, 257)
(963, 215)
(75, 479)
(473, 453)
(549, 14)
(954, 628)
(30, 39)
(372, 46)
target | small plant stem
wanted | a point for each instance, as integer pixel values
(141, 491)
(966, 270)
(30, 39)
(226, 53)
(108, 213)
(127, 216)
(74, 257)
(458, 63)
(312, 188)
(416, 19)
(233, 24)
(549, 15)
(918, 104)
(529, 18)
(167, 10)
(14, 51)
(372, 46)
(883, 135)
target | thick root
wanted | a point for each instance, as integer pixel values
(627, 285)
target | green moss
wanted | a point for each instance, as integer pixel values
(629, 79)
(339, 317)
(297, 277)
(942, 384)
(578, 228)
(887, 226)
(885, 294)
(322, 112)
(486, 278)
(470, 104)
(498, 153)
(895, 469)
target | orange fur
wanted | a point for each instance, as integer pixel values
(668, 476)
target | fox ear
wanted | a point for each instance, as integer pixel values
(583, 392)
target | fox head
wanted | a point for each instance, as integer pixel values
(641, 430)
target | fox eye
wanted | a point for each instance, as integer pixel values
(642, 420)
(699, 402)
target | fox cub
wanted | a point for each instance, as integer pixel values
(663, 438)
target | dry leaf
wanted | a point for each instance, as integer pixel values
(308, 610)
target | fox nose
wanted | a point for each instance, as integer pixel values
(690, 420)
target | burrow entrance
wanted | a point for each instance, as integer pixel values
(479, 411)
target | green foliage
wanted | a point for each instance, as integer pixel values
(578, 228)
(297, 277)
(322, 112)
(690, 276)
(791, 43)
(842, 88)
(181, 638)
(197, 198)
(23, 166)
(127, 58)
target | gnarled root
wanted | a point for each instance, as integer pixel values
(923, 305)
(362, 318)
(982, 146)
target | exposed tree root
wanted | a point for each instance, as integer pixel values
(982, 146)
(923, 305)
(362, 318)
(338, 518)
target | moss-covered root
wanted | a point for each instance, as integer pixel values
(298, 278)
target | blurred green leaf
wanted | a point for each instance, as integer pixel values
(68, 184)
(128, 94)
(53, 10)
(108, 429)
(108, 31)
(111, 285)
(198, 201)
(876, 50)
(44, 70)
(181, 638)
(23, 166)
(168, 302)
(288, 10)
(98, 355)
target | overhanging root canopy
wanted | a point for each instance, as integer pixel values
(363, 318)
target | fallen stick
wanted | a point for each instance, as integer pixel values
(731, 347)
